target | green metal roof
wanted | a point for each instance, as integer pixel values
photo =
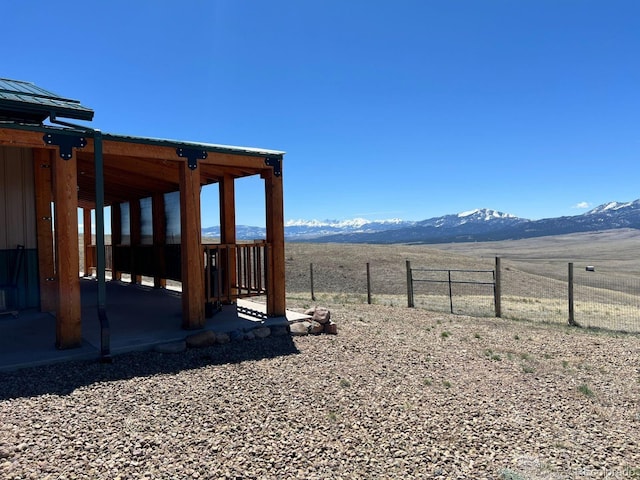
(161, 142)
(25, 102)
(209, 147)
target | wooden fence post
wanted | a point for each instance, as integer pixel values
(368, 284)
(572, 320)
(497, 289)
(313, 295)
(450, 292)
(410, 303)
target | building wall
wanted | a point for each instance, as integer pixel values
(17, 199)
(18, 223)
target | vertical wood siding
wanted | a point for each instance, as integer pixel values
(18, 223)
(17, 199)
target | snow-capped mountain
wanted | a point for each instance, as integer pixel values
(302, 229)
(474, 225)
(309, 229)
(479, 216)
(612, 207)
(486, 225)
(455, 227)
(243, 232)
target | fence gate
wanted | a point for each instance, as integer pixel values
(474, 291)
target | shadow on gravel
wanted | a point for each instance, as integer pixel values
(64, 378)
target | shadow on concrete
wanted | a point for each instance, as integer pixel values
(139, 319)
(64, 378)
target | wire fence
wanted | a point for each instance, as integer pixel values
(534, 290)
(527, 289)
(607, 301)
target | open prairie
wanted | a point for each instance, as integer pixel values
(616, 252)
(534, 276)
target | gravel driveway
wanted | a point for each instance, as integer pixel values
(398, 393)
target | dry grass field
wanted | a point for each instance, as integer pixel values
(534, 276)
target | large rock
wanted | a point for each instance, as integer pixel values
(236, 335)
(319, 314)
(316, 328)
(262, 332)
(331, 328)
(300, 328)
(223, 337)
(279, 330)
(201, 339)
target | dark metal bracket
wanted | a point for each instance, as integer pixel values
(192, 155)
(65, 143)
(276, 163)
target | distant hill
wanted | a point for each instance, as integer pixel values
(473, 226)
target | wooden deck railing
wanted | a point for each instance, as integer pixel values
(235, 271)
(231, 271)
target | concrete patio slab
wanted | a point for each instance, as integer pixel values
(140, 317)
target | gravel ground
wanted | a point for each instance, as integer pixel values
(398, 393)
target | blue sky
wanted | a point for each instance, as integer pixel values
(387, 109)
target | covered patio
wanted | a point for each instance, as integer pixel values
(140, 318)
(152, 186)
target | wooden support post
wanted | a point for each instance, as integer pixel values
(572, 318)
(135, 220)
(44, 227)
(228, 232)
(410, 302)
(276, 295)
(89, 261)
(116, 240)
(159, 239)
(65, 197)
(497, 290)
(368, 284)
(193, 298)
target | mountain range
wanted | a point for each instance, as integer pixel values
(473, 226)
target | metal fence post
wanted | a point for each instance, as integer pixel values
(497, 289)
(572, 320)
(410, 303)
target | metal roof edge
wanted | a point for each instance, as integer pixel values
(22, 96)
(209, 147)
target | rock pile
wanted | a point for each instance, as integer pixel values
(208, 338)
(320, 322)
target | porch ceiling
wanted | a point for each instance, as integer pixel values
(128, 178)
(138, 167)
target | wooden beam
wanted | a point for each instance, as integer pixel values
(65, 197)
(191, 249)
(27, 138)
(23, 138)
(44, 228)
(274, 202)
